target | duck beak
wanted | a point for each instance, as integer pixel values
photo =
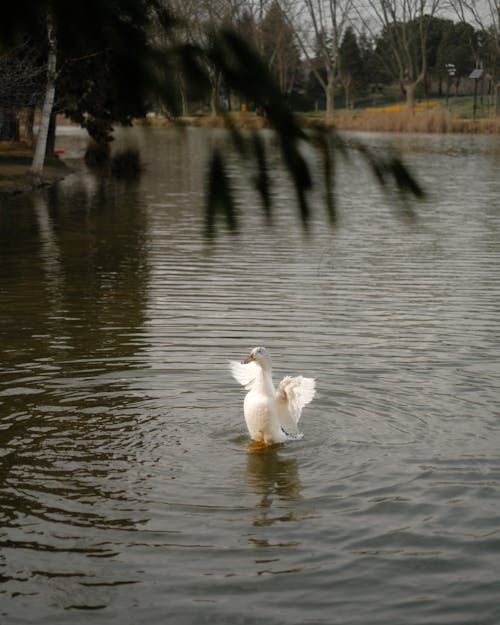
(247, 360)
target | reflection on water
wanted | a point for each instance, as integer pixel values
(49, 250)
(71, 294)
(125, 484)
(273, 479)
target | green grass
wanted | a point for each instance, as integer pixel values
(14, 159)
(462, 107)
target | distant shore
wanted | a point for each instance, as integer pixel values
(438, 120)
(15, 158)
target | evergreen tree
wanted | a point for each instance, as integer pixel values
(458, 46)
(351, 65)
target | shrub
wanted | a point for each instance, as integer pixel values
(126, 163)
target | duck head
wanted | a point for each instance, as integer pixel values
(261, 356)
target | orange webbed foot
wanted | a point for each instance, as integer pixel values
(257, 446)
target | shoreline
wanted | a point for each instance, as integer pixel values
(15, 157)
(15, 163)
(436, 121)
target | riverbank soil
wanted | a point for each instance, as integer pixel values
(15, 163)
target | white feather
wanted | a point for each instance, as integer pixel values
(293, 394)
(272, 416)
(244, 374)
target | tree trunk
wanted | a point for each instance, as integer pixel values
(329, 93)
(213, 101)
(8, 125)
(346, 83)
(48, 103)
(184, 104)
(183, 96)
(410, 96)
(51, 136)
(214, 94)
(497, 99)
(30, 121)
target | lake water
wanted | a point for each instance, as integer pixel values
(128, 493)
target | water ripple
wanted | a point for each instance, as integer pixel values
(126, 483)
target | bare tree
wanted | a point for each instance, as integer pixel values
(320, 26)
(198, 20)
(20, 77)
(486, 16)
(401, 27)
(21, 80)
(48, 102)
(279, 49)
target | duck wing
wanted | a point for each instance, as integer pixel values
(292, 395)
(244, 374)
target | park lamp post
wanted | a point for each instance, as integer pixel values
(452, 71)
(476, 74)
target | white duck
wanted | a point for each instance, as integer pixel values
(271, 416)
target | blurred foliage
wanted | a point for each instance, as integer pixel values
(117, 58)
(106, 55)
(245, 72)
(126, 164)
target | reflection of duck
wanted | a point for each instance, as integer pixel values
(270, 477)
(271, 416)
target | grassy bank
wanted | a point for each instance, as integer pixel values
(430, 121)
(227, 120)
(435, 117)
(15, 163)
(430, 117)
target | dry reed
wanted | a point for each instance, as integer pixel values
(228, 120)
(430, 121)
